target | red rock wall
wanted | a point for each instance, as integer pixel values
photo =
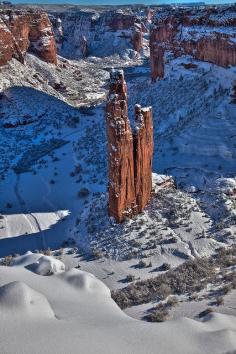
(129, 22)
(129, 154)
(137, 38)
(118, 21)
(22, 31)
(218, 50)
(157, 53)
(211, 37)
(8, 47)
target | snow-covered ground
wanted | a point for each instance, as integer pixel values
(53, 194)
(72, 311)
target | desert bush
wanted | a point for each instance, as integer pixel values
(61, 251)
(205, 312)
(47, 252)
(172, 301)
(158, 313)
(96, 253)
(219, 300)
(226, 289)
(130, 277)
(142, 264)
(84, 192)
(7, 261)
(166, 266)
(164, 291)
(194, 296)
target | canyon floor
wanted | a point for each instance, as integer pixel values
(53, 201)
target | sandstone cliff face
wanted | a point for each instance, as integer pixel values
(99, 33)
(157, 52)
(218, 50)
(7, 45)
(206, 34)
(22, 31)
(137, 38)
(129, 154)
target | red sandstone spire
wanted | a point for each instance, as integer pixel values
(120, 150)
(129, 155)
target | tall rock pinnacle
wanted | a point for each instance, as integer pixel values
(129, 154)
(120, 150)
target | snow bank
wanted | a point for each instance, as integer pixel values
(26, 259)
(93, 323)
(17, 298)
(47, 265)
(85, 281)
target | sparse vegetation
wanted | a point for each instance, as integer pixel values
(190, 277)
(160, 312)
(36, 152)
(130, 278)
(219, 301)
(47, 252)
(7, 261)
(205, 312)
(165, 266)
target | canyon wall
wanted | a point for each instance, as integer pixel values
(129, 153)
(99, 33)
(23, 31)
(207, 34)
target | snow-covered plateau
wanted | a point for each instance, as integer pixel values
(71, 279)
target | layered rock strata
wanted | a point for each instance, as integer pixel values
(129, 153)
(207, 34)
(23, 31)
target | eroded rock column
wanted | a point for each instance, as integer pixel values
(129, 153)
(120, 150)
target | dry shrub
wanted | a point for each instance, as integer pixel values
(7, 261)
(189, 277)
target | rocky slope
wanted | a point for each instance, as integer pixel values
(23, 31)
(207, 34)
